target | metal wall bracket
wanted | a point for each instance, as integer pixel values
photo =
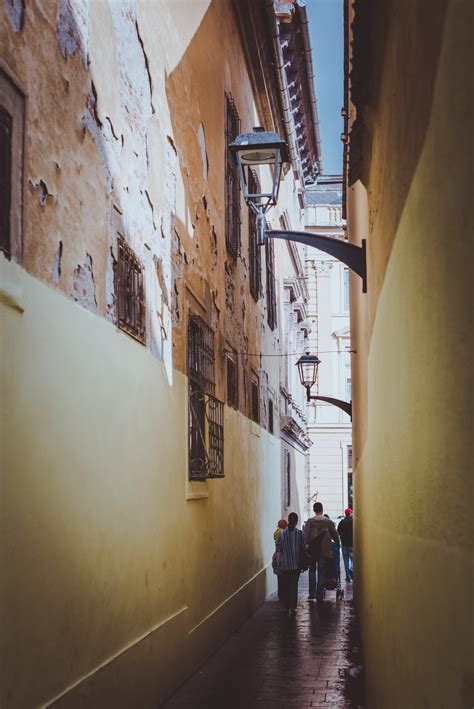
(353, 256)
(346, 406)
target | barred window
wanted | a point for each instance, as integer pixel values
(255, 270)
(271, 284)
(201, 354)
(206, 413)
(232, 380)
(255, 398)
(130, 292)
(232, 184)
(270, 414)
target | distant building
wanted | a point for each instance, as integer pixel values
(293, 420)
(329, 461)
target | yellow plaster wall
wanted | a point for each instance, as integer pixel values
(113, 582)
(413, 532)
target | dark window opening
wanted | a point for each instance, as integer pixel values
(12, 139)
(130, 293)
(271, 284)
(6, 126)
(270, 415)
(255, 398)
(232, 184)
(206, 412)
(350, 491)
(255, 269)
(287, 480)
(232, 381)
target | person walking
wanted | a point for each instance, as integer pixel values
(282, 524)
(344, 529)
(318, 532)
(290, 549)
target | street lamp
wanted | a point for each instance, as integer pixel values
(308, 371)
(260, 148)
(253, 150)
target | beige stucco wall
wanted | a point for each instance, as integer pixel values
(413, 440)
(120, 577)
(101, 549)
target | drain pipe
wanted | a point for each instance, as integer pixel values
(311, 79)
(288, 120)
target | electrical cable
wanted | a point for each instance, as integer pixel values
(285, 354)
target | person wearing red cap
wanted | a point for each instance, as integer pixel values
(344, 529)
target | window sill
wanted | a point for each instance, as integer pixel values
(255, 429)
(196, 490)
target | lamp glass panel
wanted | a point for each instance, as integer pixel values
(259, 156)
(308, 371)
(309, 374)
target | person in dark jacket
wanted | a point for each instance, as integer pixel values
(318, 532)
(344, 529)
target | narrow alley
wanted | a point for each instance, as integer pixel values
(278, 660)
(236, 292)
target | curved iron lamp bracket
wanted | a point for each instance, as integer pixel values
(346, 406)
(353, 256)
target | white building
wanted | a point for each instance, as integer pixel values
(294, 328)
(329, 459)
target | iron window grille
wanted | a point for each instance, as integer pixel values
(271, 284)
(255, 269)
(130, 293)
(6, 126)
(206, 412)
(255, 398)
(232, 183)
(232, 380)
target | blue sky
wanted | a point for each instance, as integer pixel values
(327, 40)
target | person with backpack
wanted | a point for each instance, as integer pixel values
(344, 529)
(290, 551)
(318, 532)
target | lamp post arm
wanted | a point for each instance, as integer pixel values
(346, 406)
(350, 254)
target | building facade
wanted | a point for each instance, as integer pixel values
(409, 117)
(329, 460)
(141, 455)
(294, 331)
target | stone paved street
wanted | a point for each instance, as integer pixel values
(280, 661)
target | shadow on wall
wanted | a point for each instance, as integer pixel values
(393, 89)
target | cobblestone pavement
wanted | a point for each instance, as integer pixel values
(279, 661)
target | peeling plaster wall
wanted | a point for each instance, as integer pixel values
(135, 147)
(125, 137)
